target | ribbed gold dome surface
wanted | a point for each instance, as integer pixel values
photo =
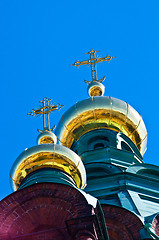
(48, 156)
(102, 112)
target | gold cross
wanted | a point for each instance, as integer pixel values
(93, 61)
(45, 110)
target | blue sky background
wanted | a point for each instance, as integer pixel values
(38, 42)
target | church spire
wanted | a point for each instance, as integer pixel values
(95, 86)
(46, 135)
(45, 110)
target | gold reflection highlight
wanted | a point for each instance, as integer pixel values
(95, 91)
(45, 160)
(46, 139)
(100, 118)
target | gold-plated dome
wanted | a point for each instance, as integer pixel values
(48, 156)
(96, 89)
(47, 137)
(102, 112)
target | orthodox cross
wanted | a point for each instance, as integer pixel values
(45, 110)
(93, 61)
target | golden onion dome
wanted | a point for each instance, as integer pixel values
(95, 89)
(48, 156)
(102, 112)
(46, 137)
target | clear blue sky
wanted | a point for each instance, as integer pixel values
(40, 39)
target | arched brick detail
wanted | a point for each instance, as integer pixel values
(85, 235)
(121, 223)
(41, 209)
(155, 224)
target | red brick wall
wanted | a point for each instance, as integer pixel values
(121, 223)
(41, 211)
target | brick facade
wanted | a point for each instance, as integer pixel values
(43, 211)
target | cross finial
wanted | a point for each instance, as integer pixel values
(45, 110)
(92, 62)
